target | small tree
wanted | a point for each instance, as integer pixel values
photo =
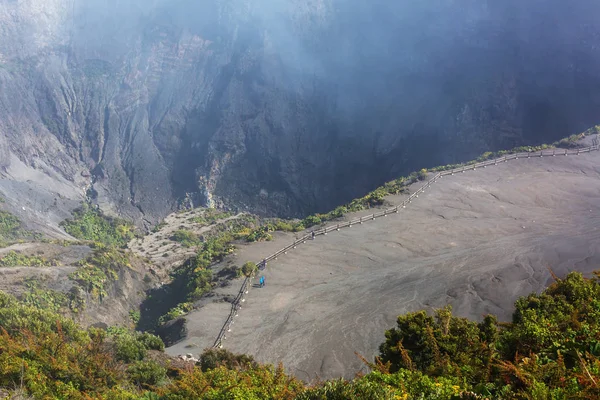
(249, 268)
(311, 220)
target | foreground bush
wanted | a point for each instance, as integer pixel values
(550, 350)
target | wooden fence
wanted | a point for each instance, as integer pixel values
(237, 303)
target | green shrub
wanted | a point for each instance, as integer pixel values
(44, 299)
(134, 315)
(133, 346)
(311, 220)
(186, 238)
(259, 234)
(550, 350)
(9, 226)
(88, 223)
(178, 311)
(146, 373)
(11, 230)
(425, 343)
(15, 259)
(249, 268)
(215, 358)
(99, 270)
(283, 226)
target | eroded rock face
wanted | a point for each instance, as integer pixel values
(283, 107)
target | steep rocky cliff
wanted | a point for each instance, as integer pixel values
(281, 106)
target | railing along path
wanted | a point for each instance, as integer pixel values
(237, 303)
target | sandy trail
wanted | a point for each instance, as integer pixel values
(476, 240)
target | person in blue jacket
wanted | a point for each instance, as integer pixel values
(262, 281)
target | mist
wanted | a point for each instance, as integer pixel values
(286, 107)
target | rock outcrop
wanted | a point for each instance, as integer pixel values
(280, 107)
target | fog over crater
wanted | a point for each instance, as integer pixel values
(281, 107)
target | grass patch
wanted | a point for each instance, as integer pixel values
(89, 223)
(42, 298)
(186, 238)
(11, 230)
(99, 270)
(16, 259)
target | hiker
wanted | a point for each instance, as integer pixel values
(313, 235)
(262, 281)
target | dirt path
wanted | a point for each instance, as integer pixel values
(476, 240)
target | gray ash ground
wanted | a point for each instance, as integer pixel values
(476, 241)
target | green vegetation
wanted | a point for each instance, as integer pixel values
(186, 238)
(133, 346)
(11, 230)
(179, 310)
(550, 350)
(88, 223)
(134, 315)
(146, 374)
(44, 299)
(16, 259)
(9, 226)
(100, 269)
(248, 268)
(260, 234)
